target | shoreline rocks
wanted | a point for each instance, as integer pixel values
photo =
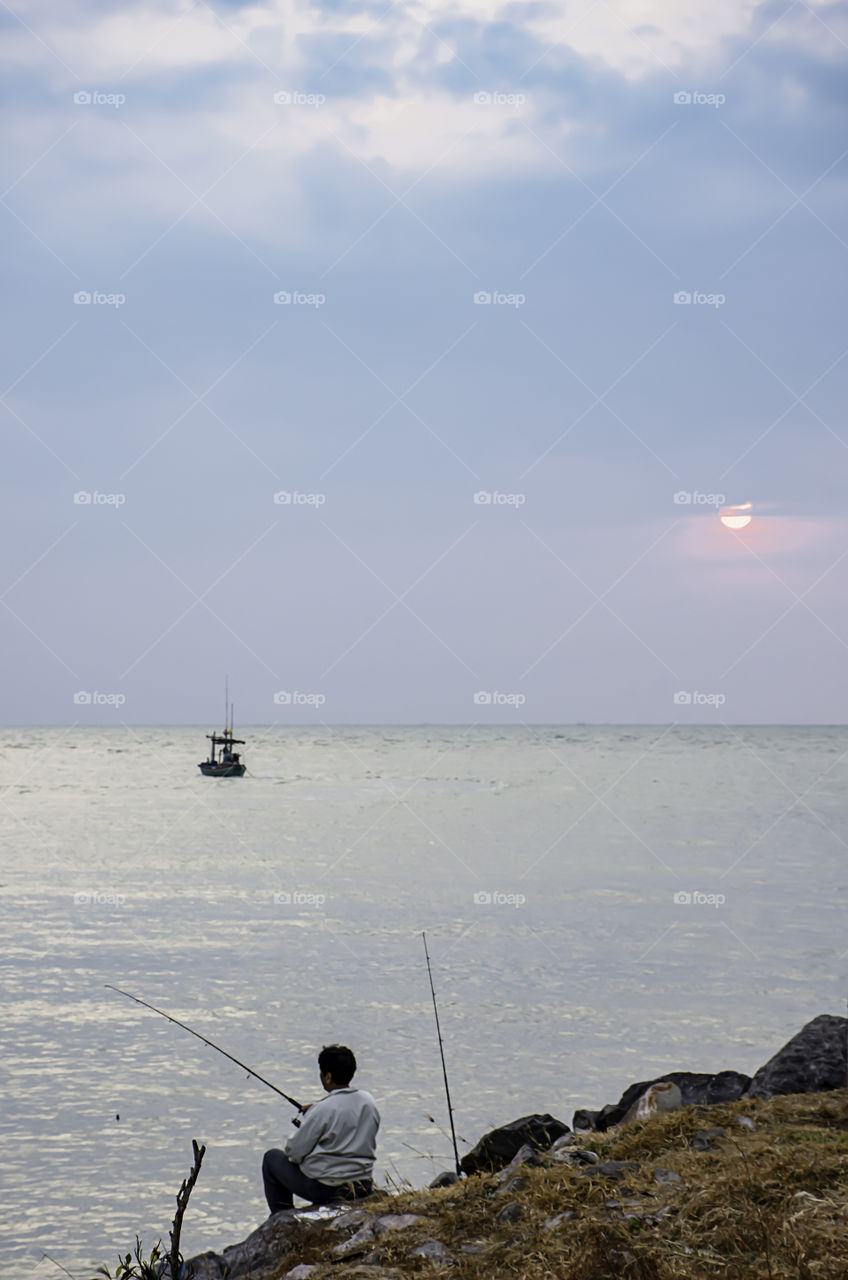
(815, 1060)
(498, 1147)
(697, 1088)
(659, 1098)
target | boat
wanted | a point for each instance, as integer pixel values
(223, 761)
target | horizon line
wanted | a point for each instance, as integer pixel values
(447, 724)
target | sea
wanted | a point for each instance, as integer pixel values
(601, 905)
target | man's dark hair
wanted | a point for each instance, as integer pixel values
(339, 1061)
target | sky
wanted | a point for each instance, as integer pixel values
(397, 359)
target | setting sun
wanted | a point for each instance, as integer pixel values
(736, 517)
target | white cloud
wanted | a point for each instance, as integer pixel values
(144, 38)
(201, 125)
(634, 37)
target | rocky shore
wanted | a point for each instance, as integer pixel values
(688, 1175)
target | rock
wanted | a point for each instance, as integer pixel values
(656, 1100)
(446, 1179)
(595, 1121)
(206, 1266)
(704, 1088)
(514, 1184)
(345, 1221)
(569, 1215)
(812, 1061)
(326, 1213)
(512, 1213)
(524, 1155)
(696, 1088)
(433, 1250)
(396, 1222)
(358, 1243)
(668, 1177)
(615, 1169)
(260, 1255)
(704, 1140)
(301, 1272)
(576, 1156)
(496, 1148)
(567, 1140)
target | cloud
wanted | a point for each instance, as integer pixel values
(399, 196)
(425, 95)
(632, 37)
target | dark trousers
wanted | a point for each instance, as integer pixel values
(283, 1180)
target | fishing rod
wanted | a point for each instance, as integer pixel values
(442, 1052)
(211, 1044)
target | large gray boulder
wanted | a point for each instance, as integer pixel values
(697, 1088)
(496, 1149)
(260, 1256)
(812, 1061)
(205, 1266)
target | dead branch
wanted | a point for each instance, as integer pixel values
(183, 1194)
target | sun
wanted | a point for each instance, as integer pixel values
(736, 517)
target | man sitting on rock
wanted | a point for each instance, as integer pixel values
(331, 1156)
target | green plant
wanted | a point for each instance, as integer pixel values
(134, 1266)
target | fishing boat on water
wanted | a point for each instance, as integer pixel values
(223, 761)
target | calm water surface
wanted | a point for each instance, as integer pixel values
(283, 911)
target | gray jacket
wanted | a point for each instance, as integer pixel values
(337, 1140)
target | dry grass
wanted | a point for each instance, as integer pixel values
(767, 1204)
